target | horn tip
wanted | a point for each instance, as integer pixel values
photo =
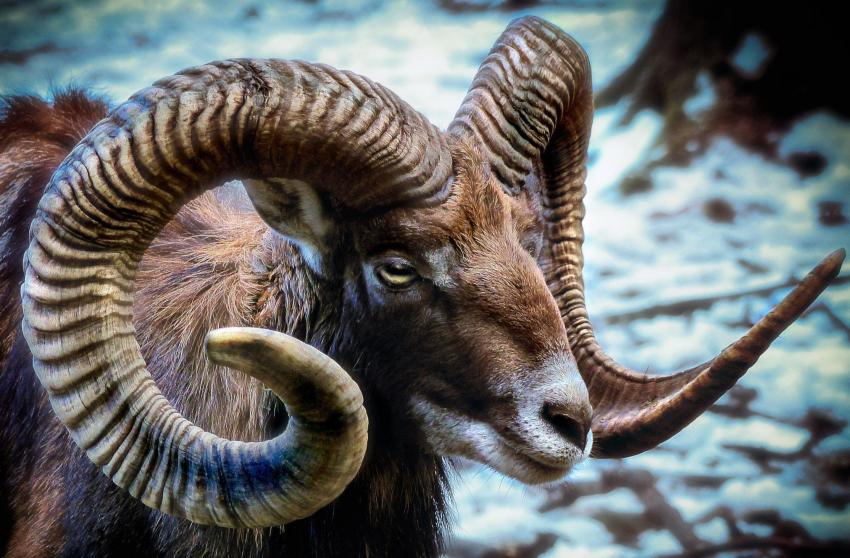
(835, 259)
(829, 267)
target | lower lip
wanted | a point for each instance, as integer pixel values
(552, 472)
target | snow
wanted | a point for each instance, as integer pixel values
(641, 250)
(752, 55)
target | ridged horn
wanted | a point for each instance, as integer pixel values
(530, 110)
(353, 140)
(634, 412)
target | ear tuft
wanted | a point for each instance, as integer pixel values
(296, 210)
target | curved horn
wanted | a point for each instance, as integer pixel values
(627, 425)
(350, 138)
(530, 109)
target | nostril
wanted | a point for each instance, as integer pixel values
(572, 429)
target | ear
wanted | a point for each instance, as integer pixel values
(296, 210)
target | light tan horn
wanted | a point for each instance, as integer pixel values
(353, 140)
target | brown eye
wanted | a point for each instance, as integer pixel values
(397, 274)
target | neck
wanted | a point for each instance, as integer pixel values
(397, 505)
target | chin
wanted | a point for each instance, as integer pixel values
(532, 469)
(535, 473)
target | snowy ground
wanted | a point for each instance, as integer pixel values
(728, 224)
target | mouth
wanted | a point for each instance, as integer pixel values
(531, 456)
(520, 459)
(528, 467)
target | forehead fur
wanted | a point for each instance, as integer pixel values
(477, 204)
(476, 209)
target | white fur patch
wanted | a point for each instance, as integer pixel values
(440, 261)
(453, 434)
(526, 445)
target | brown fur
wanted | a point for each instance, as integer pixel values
(198, 276)
(216, 264)
(34, 138)
(38, 530)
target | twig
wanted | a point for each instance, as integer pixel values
(688, 306)
(22, 56)
(793, 548)
(833, 317)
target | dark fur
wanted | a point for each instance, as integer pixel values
(479, 321)
(214, 265)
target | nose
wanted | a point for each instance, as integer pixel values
(570, 417)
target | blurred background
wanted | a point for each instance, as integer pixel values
(719, 173)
